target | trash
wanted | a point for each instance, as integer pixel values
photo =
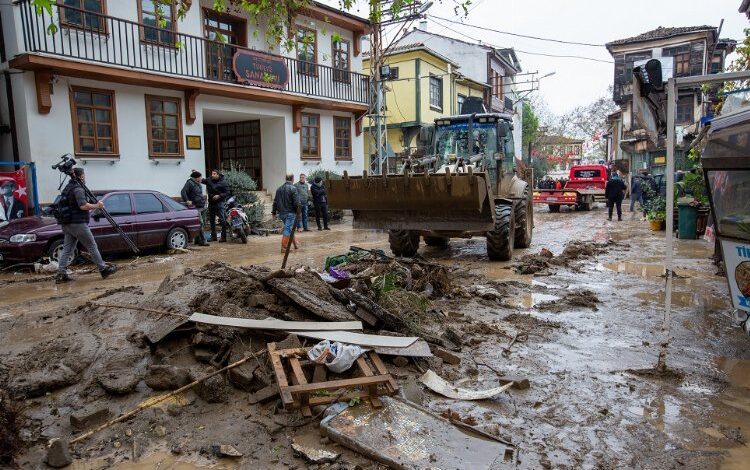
(338, 274)
(439, 385)
(360, 339)
(305, 447)
(419, 348)
(406, 436)
(273, 324)
(46, 268)
(338, 357)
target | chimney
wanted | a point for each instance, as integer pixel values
(423, 25)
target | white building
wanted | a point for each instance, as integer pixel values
(140, 105)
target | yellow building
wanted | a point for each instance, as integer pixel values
(425, 86)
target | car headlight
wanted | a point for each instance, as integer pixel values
(23, 238)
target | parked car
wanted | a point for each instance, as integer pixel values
(150, 218)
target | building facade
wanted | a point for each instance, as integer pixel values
(425, 85)
(141, 97)
(687, 51)
(560, 152)
(494, 67)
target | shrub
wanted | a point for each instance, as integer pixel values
(333, 214)
(242, 186)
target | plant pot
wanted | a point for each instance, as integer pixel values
(655, 224)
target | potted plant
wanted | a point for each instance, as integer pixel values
(656, 210)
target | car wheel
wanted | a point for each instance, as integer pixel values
(177, 238)
(55, 249)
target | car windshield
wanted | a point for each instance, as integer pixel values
(452, 141)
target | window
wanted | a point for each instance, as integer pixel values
(436, 93)
(341, 60)
(307, 48)
(94, 123)
(226, 33)
(716, 64)
(460, 103)
(158, 22)
(147, 203)
(164, 126)
(497, 85)
(83, 14)
(681, 56)
(174, 205)
(342, 129)
(310, 136)
(630, 59)
(118, 204)
(684, 112)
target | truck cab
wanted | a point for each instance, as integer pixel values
(585, 185)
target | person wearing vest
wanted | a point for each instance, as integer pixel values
(74, 211)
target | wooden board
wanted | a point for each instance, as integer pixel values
(300, 292)
(272, 324)
(375, 341)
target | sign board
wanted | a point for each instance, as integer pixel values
(737, 259)
(660, 160)
(256, 68)
(193, 142)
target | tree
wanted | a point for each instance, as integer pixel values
(277, 15)
(530, 126)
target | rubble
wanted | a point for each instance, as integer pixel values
(88, 417)
(211, 390)
(166, 377)
(312, 453)
(58, 453)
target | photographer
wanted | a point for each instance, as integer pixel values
(74, 211)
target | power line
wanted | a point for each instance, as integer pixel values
(521, 51)
(518, 34)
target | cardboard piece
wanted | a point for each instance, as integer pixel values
(374, 341)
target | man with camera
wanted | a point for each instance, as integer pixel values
(73, 209)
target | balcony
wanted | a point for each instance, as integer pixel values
(120, 50)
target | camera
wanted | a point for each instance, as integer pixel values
(65, 165)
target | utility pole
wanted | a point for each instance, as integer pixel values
(388, 12)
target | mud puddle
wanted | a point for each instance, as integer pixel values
(700, 300)
(530, 300)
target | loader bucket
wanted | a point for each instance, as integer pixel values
(426, 202)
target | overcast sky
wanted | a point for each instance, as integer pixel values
(577, 82)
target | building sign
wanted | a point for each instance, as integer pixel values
(737, 259)
(661, 160)
(256, 68)
(193, 142)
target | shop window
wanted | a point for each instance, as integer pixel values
(94, 121)
(342, 128)
(436, 93)
(164, 126)
(341, 60)
(310, 136)
(158, 22)
(307, 51)
(83, 14)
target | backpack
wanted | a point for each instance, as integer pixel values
(60, 208)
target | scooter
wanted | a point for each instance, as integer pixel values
(237, 219)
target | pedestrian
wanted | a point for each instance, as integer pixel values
(304, 194)
(615, 192)
(218, 193)
(558, 184)
(192, 195)
(636, 192)
(285, 205)
(320, 202)
(73, 209)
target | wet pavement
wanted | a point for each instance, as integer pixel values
(586, 408)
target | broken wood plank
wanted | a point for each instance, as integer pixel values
(273, 324)
(310, 293)
(360, 339)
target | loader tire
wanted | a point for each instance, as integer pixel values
(554, 208)
(404, 242)
(440, 242)
(500, 240)
(523, 223)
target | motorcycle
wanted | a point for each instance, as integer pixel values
(236, 219)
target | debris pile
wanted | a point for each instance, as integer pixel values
(575, 251)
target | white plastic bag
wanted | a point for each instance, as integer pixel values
(338, 357)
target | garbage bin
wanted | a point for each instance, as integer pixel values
(687, 221)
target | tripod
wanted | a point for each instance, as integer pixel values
(92, 199)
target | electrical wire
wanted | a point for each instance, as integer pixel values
(537, 38)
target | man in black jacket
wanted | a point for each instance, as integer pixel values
(218, 193)
(320, 202)
(615, 193)
(285, 205)
(192, 195)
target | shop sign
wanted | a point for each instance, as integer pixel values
(737, 259)
(256, 68)
(660, 160)
(193, 142)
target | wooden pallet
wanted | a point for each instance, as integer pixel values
(300, 394)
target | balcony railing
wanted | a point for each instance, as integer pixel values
(88, 36)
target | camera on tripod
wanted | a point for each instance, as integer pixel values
(65, 165)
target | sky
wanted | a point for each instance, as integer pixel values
(576, 82)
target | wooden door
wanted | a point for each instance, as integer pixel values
(239, 144)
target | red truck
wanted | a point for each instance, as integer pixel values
(584, 187)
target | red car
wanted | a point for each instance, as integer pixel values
(150, 218)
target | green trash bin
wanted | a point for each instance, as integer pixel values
(687, 221)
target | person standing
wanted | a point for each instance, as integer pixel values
(74, 210)
(192, 194)
(615, 192)
(285, 205)
(218, 193)
(304, 194)
(636, 192)
(320, 202)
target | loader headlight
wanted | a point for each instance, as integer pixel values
(23, 238)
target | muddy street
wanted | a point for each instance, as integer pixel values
(582, 328)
